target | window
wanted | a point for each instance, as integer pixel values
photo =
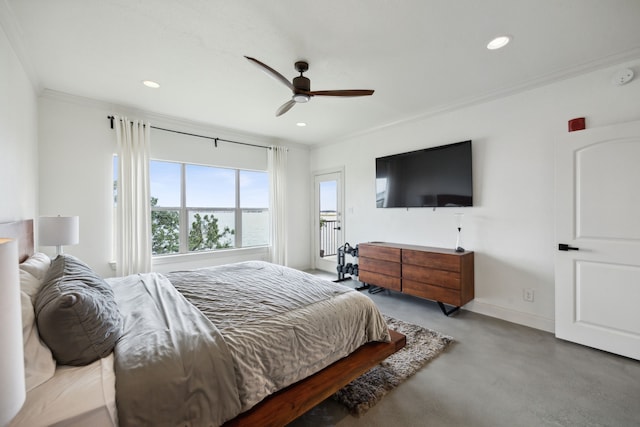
(201, 208)
(197, 208)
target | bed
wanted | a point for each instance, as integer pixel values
(297, 341)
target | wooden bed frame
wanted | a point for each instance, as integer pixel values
(23, 232)
(287, 404)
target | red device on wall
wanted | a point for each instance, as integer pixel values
(576, 124)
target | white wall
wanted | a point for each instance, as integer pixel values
(76, 149)
(511, 226)
(18, 138)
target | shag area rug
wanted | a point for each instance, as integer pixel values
(422, 346)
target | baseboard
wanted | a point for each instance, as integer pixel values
(526, 319)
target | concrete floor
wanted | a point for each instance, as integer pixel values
(497, 374)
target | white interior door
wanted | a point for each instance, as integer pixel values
(598, 216)
(328, 229)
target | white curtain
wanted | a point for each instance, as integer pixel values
(133, 213)
(278, 202)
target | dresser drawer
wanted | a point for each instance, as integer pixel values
(431, 260)
(383, 253)
(447, 279)
(378, 279)
(436, 293)
(377, 266)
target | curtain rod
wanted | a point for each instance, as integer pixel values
(215, 140)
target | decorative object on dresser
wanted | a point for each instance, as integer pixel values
(438, 274)
(458, 218)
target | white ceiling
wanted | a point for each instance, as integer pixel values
(420, 56)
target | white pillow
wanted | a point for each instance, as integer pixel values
(39, 364)
(29, 285)
(37, 264)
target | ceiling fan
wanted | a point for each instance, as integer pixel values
(301, 86)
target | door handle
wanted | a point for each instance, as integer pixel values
(337, 228)
(565, 247)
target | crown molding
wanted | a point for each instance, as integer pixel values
(163, 120)
(545, 80)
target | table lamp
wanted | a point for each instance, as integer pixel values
(58, 231)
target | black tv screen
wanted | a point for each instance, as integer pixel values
(432, 177)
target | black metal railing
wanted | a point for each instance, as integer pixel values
(328, 238)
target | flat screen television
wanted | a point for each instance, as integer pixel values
(433, 177)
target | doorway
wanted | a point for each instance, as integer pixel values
(328, 229)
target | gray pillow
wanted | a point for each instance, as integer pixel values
(76, 313)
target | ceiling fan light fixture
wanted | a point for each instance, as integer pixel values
(151, 84)
(301, 86)
(301, 97)
(499, 42)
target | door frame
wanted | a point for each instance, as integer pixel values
(316, 262)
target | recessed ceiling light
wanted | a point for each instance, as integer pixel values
(301, 124)
(151, 84)
(498, 42)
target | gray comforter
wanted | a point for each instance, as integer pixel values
(266, 327)
(172, 365)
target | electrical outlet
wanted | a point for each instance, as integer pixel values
(528, 295)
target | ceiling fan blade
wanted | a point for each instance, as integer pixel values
(348, 92)
(285, 107)
(271, 72)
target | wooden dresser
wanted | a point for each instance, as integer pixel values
(438, 274)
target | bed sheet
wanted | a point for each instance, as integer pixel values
(74, 396)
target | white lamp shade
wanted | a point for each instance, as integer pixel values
(59, 230)
(12, 382)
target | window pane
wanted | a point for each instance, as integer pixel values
(209, 229)
(165, 232)
(165, 183)
(255, 227)
(254, 189)
(210, 187)
(328, 196)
